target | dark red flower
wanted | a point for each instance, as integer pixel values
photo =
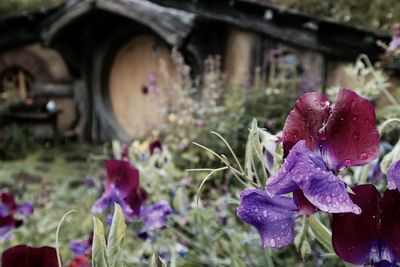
(372, 237)
(319, 140)
(26, 256)
(8, 208)
(155, 145)
(122, 187)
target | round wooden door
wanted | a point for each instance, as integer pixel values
(141, 75)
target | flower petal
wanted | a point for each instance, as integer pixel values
(134, 200)
(122, 175)
(393, 175)
(25, 256)
(79, 247)
(391, 225)
(273, 217)
(304, 122)
(305, 207)
(321, 187)
(8, 199)
(355, 238)
(25, 208)
(155, 216)
(352, 135)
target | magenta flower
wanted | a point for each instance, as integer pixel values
(319, 140)
(373, 237)
(9, 208)
(26, 256)
(122, 187)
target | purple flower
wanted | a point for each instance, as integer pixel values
(319, 140)
(373, 237)
(8, 208)
(155, 216)
(122, 187)
(80, 248)
(273, 217)
(25, 256)
(393, 175)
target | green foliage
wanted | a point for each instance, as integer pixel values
(10, 8)
(376, 14)
(109, 255)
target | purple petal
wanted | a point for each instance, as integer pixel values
(4, 210)
(108, 199)
(5, 232)
(79, 247)
(393, 175)
(355, 238)
(155, 216)
(352, 135)
(25, 208)
(391, 225)
(321, 187)
(25, 256)
(102, 203)
(305, 120)
(273, 217)
(121, 175)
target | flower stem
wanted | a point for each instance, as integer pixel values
(322, 233)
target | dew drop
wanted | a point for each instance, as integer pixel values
(342, 119)
(355, 136)
(295, 136)
(363, 156)
(324, 103)
(353, 104)
(355, 117)
(347, 163)
(272, 242)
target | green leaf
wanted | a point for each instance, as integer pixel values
(99, 245)
(156, 261)
(115, 238)
(305, 250)
(322, 233)
(116, 149)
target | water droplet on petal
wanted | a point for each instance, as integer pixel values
(363, 156)
(341, 119)
(272, 242)
(355, 136)
(347, 163)
(353, 104)
(324, 103)
(355, 117)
